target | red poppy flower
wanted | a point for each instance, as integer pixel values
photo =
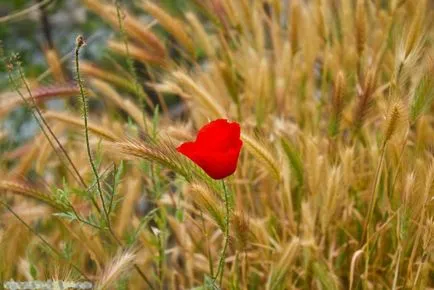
(216, 148)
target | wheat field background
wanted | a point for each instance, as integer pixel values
(334, 184)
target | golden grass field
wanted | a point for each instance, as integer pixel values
(334, 184)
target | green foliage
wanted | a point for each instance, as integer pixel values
(422, 98)
(295, 161)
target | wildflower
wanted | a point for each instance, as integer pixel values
(216, 148)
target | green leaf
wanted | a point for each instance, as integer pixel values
(334, 126)
(423, 97)
(67, 250)
(294, 160)
(323, 275)
(33, 271)
(70, 216)
(179, 215)
(143, 222)
(119, 172)
(155, 122)
(209, 284)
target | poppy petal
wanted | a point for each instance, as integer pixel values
(216, 148)
(217, 135)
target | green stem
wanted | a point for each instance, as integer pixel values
(43, 240)
(86, 129)
(365, 234)
(80, 43)
(130, 62)
(43, 123)
(220, 268)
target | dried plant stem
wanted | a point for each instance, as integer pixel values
(220, 269)
(20, 14)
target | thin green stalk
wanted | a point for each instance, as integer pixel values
(43, 123)
(79, 43)
(112, 194)
(372, 202)
(220, 268)
(42, 239)
(373, 195)
(138, 90)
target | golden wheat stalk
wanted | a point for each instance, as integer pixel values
(78, 122)
(118, 267)
(132, 26)
(55, 64)
(174, 26)
(28, 191)
(262, 154)
(91, 70)
(122, 102)
(9, 102)
(202, 38)
(198, 93)
(136, 52)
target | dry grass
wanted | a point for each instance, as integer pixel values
(334, 186)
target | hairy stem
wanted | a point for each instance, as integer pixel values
(80, 43)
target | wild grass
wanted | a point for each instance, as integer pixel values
(334, 185)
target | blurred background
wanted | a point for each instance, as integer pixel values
(32, 28)
(27, 27)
